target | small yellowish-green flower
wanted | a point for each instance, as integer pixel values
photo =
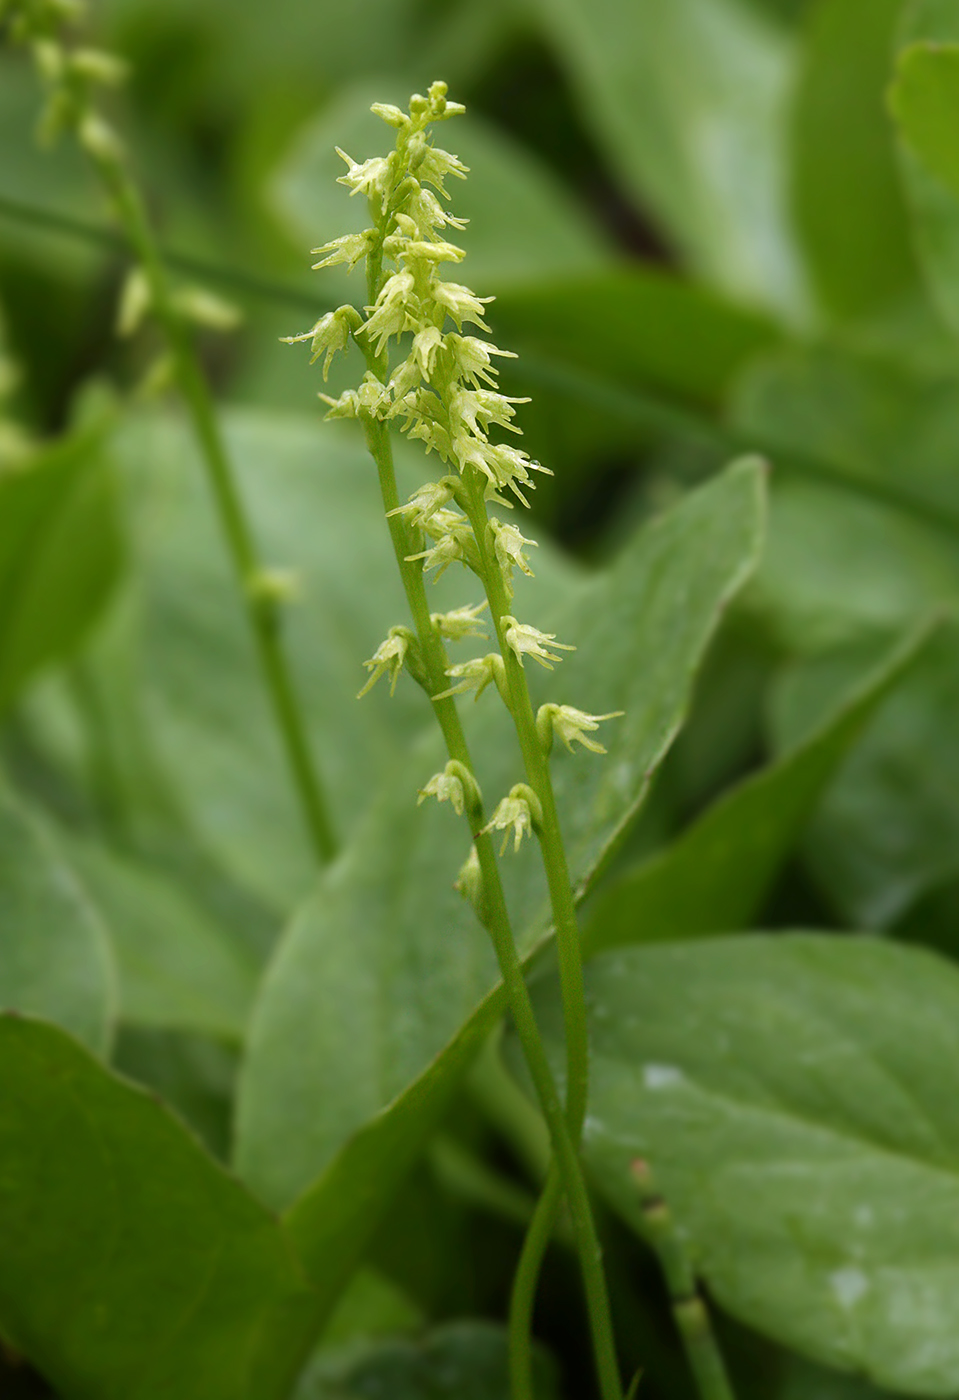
(351, 248)
(477, 674)
(370, 400)
(372, 175)
(455, 785)
(389, 658)
(471, 358)
(460, 304)
(520, 813)
(455, 543)
(426, 501)
(524, 640)
(470, 885)
(332, 332)
(459, 624)
(508, 547)
(570, 726)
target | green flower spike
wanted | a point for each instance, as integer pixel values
(520, 813)
(524, 640)
(571, 726)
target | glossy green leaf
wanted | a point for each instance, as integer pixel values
(385, 962)
(461, 1361)
(689, 99)
(132, 1264)
(54, 955)
(59, 555)
(714, 877)
(918, 97)
(178, 968)
(925, 101)
(804, 1380)
(632, 326)
(887, 831)
(312, 494)
(193, 1074)
(548, 233)
(857, 246)
(797, 1098)
(873, 553)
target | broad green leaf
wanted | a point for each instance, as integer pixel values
(59, 554)
(461, 1361)
(132, 1264)
(857, 247)
(546, 232)
(193, 1074)
(312, 495)
(804, 1380)
(714, 877)
(689, 99)
(633, 326)
(178, 968)
(887, 830)
(873, 552)
(54, 955)
(925, 161)
(797, 1098)
(385, 962)
(925, 102)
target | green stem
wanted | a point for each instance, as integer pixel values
(525, 1281)
(567, 939)
(262, 611)
(500, 929)
(689, 1307)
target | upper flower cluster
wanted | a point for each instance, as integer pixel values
(443, 393)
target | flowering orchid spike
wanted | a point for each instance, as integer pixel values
(457, 786)
(520, 813)
(571, 726)
(400, 649)
(524, 640)
(476, 675)
(461, 623)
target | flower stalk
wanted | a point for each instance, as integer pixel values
(443, 394)
(72, 76)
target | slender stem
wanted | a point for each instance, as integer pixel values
(525, 1281)
(550, 835)
(500, 929)
(262, 610)
(567, 939)
(689, 1307)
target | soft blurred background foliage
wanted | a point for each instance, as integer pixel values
(707, 231)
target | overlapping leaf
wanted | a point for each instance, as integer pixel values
(797, 1097)
(132, 1265)
(54, 955)
(383, 965)
(713, 878)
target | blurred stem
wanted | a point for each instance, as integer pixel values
(262, 610)
(689, 1307)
